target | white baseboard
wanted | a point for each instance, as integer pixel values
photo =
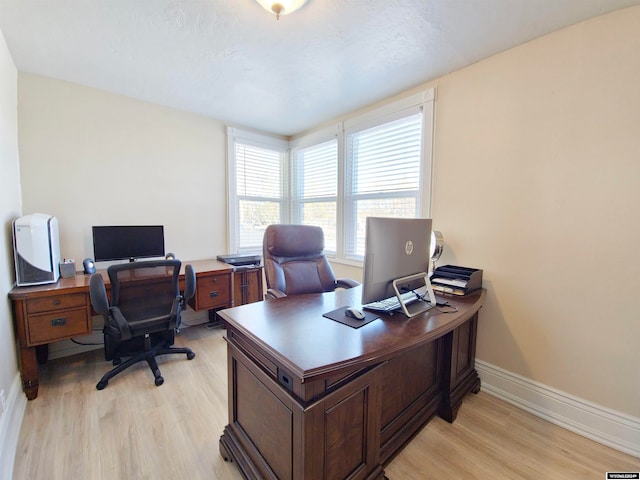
(10, 424)
(608, 427)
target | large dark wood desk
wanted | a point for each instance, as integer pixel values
(48, 313)
(310, 398)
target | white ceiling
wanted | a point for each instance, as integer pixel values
(231, 60)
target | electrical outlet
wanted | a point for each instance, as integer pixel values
(3, 401)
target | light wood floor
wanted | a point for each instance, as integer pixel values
(135, 430)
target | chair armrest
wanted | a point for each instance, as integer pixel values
(346, 283)
(120, 323)
(189, 284)
(274, 293)
(98, 294)
(176, 310)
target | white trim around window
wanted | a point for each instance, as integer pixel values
(263, 147)
(293, 198)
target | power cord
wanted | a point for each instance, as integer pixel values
(85, 343)
(453, 309)
(422, 297)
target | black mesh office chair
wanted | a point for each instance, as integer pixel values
(294, 262)
(144, 313)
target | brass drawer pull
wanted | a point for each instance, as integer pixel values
(58, 322)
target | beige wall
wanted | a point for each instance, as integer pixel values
(9, 211)
(536, 180)
(94, 158)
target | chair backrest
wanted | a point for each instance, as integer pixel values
(294, 260)
(145, 289)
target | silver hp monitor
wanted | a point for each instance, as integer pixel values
(397, 252)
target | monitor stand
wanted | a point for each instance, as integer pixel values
(415, 308)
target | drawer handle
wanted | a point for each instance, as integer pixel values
(58, 322)
(214, 294)
(56, 302)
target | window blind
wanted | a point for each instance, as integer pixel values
(259, 193)
(383, 176)
(315, 188)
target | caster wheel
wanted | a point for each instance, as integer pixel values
(191, 356)
(159, 381)
(101, 384)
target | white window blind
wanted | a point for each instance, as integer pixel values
(259, 193)
(383, 173)
(315, 189)
(374, 164)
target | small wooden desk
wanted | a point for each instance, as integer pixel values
(310, 398)
(45, 314)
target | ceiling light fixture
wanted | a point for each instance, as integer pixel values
(281, 7)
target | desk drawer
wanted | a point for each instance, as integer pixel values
(47, 304)
(212, 292)
(54, 326)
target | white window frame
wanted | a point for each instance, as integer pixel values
(237, 135)
(393, 110)
(316, 138)
(424, 100)
(351, 198)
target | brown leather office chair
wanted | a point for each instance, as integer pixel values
(294, 262)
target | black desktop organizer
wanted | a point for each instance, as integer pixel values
(456, 280)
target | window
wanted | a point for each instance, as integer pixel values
(375, 164)
(315, 189)
(257, 188)
(383, 165)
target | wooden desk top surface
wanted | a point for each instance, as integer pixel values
(81, 282)
(294, 332)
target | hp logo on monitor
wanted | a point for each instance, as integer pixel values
(408, 247)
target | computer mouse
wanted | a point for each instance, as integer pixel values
(354, 313)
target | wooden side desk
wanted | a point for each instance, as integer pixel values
(48, 313)
(311, 398)
(247, 285)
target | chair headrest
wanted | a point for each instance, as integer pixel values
(284, 240)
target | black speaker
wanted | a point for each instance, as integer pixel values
(89, 266)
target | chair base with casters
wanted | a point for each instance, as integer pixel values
(154, 345)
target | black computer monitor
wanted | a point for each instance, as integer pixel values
(396, 249)
(128, 242)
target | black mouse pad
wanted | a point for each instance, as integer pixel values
(339, 316)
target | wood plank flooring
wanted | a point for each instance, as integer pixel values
(135, 430)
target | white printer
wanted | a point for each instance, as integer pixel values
(36, 249)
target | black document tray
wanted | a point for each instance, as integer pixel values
(456, 280)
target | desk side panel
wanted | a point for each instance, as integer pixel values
(270, 435)
(411, 393)
(262, 422)
(459, 375)
(269, 425)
